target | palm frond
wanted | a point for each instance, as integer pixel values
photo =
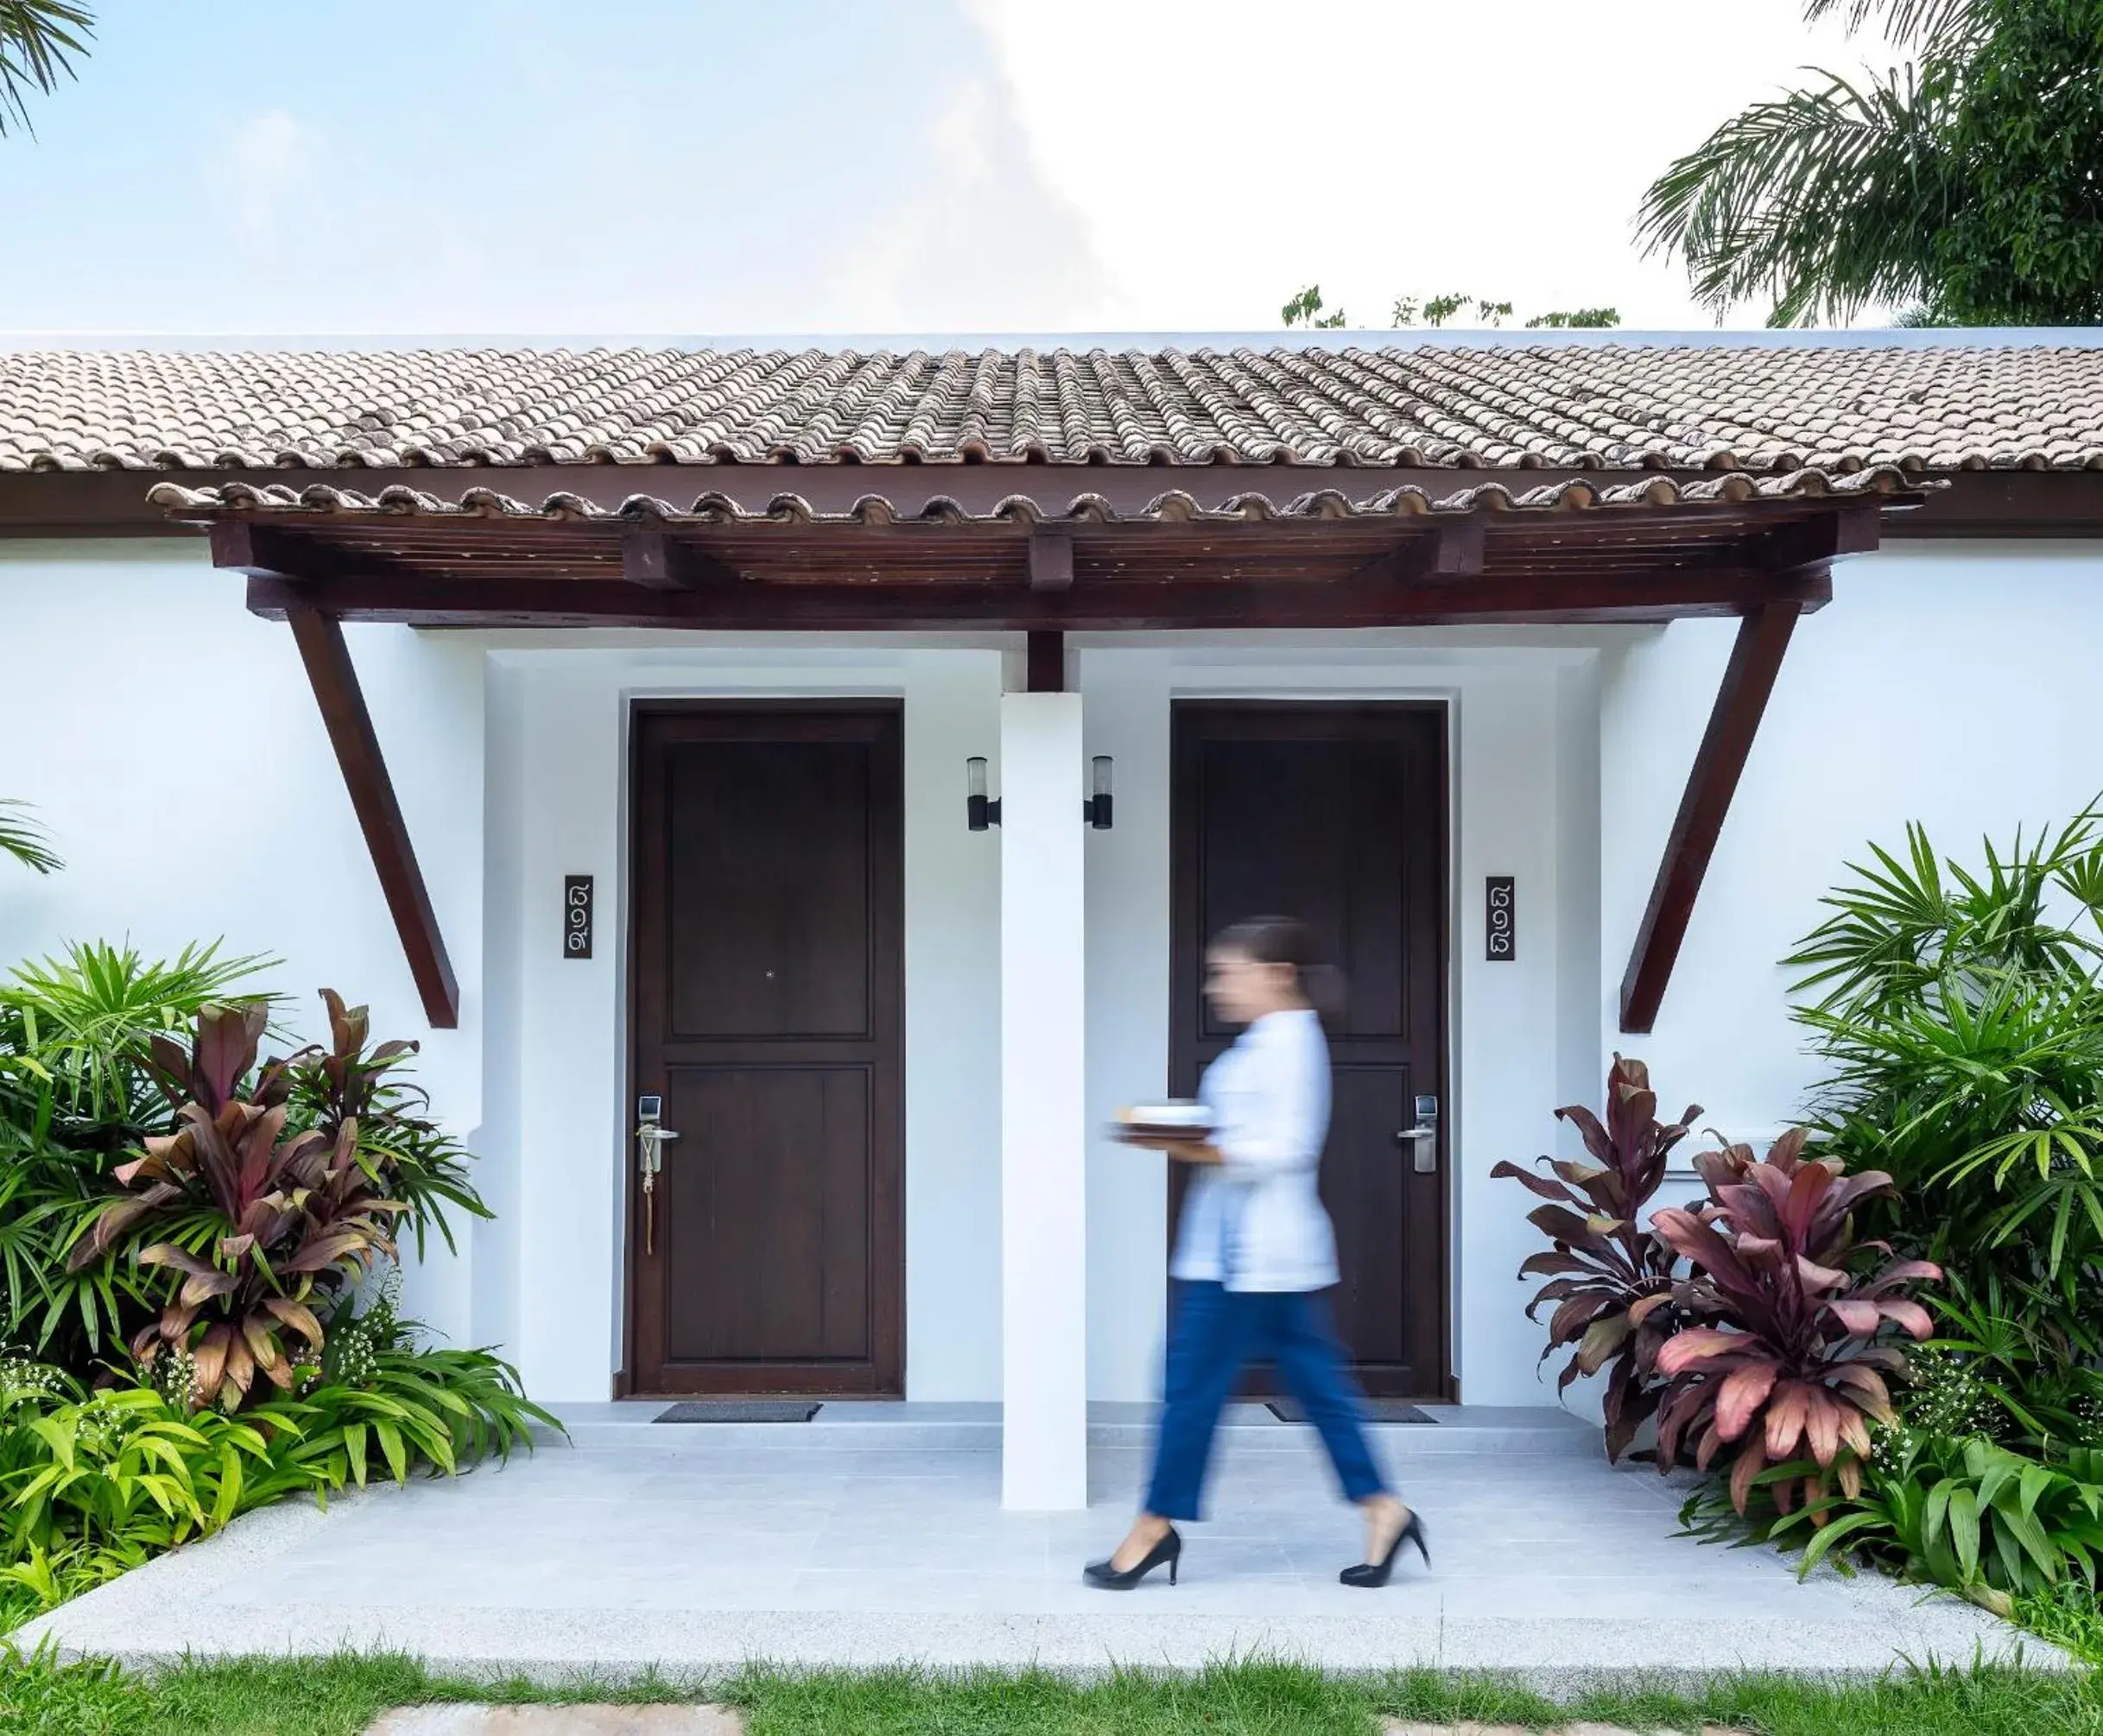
(1823, 200)
(21, 838)
(38, 40)
(1905, 21)
(86, 1015)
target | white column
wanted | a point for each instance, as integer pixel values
(1043, 1135)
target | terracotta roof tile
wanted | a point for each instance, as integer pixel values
(1767, 408)
(320, 500)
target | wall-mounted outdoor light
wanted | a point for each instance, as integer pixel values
(1096, 809)
(978, 812)
(981, 810)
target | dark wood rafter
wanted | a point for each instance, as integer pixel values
(1764, 562)
(334, 679)
(1460, 549)
(1748, 679)
(1129, 606)
(1051, 561)
(657, 562)
(1046, 663)
(271, 551)
(1810, 544)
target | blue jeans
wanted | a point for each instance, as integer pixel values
(1214, 1333)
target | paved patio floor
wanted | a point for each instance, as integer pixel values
(874, 1535)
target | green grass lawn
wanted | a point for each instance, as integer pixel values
(338, 1696)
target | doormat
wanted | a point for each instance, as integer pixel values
(742, 1410)
(1377, 1410)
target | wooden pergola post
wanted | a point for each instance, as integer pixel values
(334, 679)
(1741, 700)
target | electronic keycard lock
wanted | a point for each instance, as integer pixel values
(1424, 1138)
(650, 1136)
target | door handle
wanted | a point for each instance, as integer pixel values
(1423, 1137)
(650, 1141)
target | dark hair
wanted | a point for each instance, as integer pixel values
(1287, 940)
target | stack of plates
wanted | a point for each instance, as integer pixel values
(1179, 1119)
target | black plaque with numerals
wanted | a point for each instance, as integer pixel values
(1500, 918)
(577, 916)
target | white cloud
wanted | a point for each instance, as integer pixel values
(1226, 152)
(265, 161)
(981, 241)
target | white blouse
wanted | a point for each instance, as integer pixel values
(1255, 1221)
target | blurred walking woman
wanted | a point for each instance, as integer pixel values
(1253, 1254)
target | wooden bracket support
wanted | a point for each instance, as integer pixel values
(1051, 561)
(1458, 551)
(1748, 679)
(334, 679)
(657, 562)
(1811, 545)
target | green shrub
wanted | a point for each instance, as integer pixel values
(76, 1098)
(1966, 1514)
(122, 1217)
(1962, 1019)
(93, 1485)
(1960, 1013)
(380, 1395)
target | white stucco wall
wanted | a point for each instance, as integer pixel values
(559, 712)
(170, 742)
(1948, 683)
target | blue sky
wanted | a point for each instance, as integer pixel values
(307, 167)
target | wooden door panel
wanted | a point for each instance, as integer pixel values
(775, 1158)
(1335, 814)
(767, 975)
(1368, 1203)
(769, 868)
(1312, 829)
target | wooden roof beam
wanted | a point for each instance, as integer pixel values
(334, 679)
(1108, 606)
(275, 551)
(659, 562)
(1449, 547)
(1044, 662)
(1804, 543)
(1735, 720)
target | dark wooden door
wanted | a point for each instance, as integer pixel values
(768, 1012)
(1336, 815)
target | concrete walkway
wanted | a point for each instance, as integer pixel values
(873, 1535)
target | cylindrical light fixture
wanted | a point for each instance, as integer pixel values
(978, 812)
(1099, 798)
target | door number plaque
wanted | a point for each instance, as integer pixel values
(1500, 916)
(577, 916)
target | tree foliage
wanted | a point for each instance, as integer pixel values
(23, 838)
(1306, 309)
(1965, 187)
(38, 40)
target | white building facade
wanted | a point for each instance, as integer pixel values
(167, 737)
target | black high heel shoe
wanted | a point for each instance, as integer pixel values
(1371, 1575)
(1168, 1550)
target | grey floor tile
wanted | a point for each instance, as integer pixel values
(700, 1536)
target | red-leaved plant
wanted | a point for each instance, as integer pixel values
(1788, 1357)
(262, 1227)
(1610, 1278)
